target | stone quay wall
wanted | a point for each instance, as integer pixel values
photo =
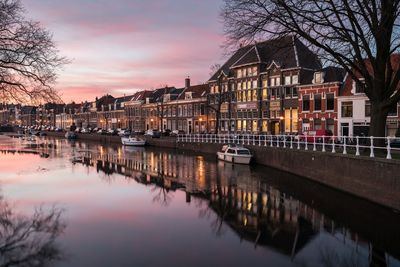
(374, 179)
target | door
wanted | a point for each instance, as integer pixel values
(345, 129)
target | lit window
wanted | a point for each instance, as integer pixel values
(295, 79)
(287, 79)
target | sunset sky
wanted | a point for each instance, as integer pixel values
(120, 46)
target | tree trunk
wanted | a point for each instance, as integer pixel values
(378, 123)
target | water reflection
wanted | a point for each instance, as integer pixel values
(238, 198)
(29, 240)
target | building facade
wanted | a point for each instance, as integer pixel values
(318, 105)
(255, 91)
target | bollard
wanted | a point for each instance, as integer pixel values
(333, 146)
(323, 143)
(291, 142)
(284, 141)
(298, 143)
(265, 140)
(277, 141)
(271, 141)
(372, 155)
(388, 155)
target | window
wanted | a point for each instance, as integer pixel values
(239, 96)
(287, 79)
(264, 94)
(254, 95)
(330, 125)
(367, 108)
(294, 93)
(239, 73)
(248, 84)
(359, 88)
(254, 84)
(239, 86)
(306, 103)
(347, 109)
(317, 102)
(288, 91)
(255, 71)
(330, 103)
(264, 83)
(295, 79)
(278, 81)
(318, 77)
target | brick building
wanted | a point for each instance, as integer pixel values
(318, 105)
(255, 89)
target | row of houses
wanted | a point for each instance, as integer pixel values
(278, 87)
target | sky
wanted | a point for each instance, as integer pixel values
(121, 46)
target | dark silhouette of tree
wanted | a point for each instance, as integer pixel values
(29, 241)
(359, 35)
(28, 57)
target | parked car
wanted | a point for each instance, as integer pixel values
(112, 132)
(166, 132)
(58, 129)
(153, 133)
(317, 134)
(177, 132)
(85, 130)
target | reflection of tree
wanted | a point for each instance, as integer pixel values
(161, 195)
(29, 241)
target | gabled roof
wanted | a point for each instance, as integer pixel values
(141, 95)
(331, 74)
(250, 57)
(232, 60)
(122, 99)
(157, 94)
(104, 100)
(287, 52)
(197, 91)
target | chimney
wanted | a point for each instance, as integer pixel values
(187, 82)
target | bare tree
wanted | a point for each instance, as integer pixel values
(359, 35)
(29, 241)
(29, 58)
(214, 68)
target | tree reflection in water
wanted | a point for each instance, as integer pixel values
(237, 199)
(29, 240)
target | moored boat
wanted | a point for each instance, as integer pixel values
(235, 154)
(133, 141)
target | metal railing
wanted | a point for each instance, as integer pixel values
(359, 145)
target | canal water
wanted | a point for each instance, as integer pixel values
(84, 204)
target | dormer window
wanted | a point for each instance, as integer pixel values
(188, 95)
(318, 77)
(167, 97)
(147, 100)
(359, 88)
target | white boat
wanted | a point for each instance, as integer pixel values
(133, 141)
(235, 154)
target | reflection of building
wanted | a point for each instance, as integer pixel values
(231, 196)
